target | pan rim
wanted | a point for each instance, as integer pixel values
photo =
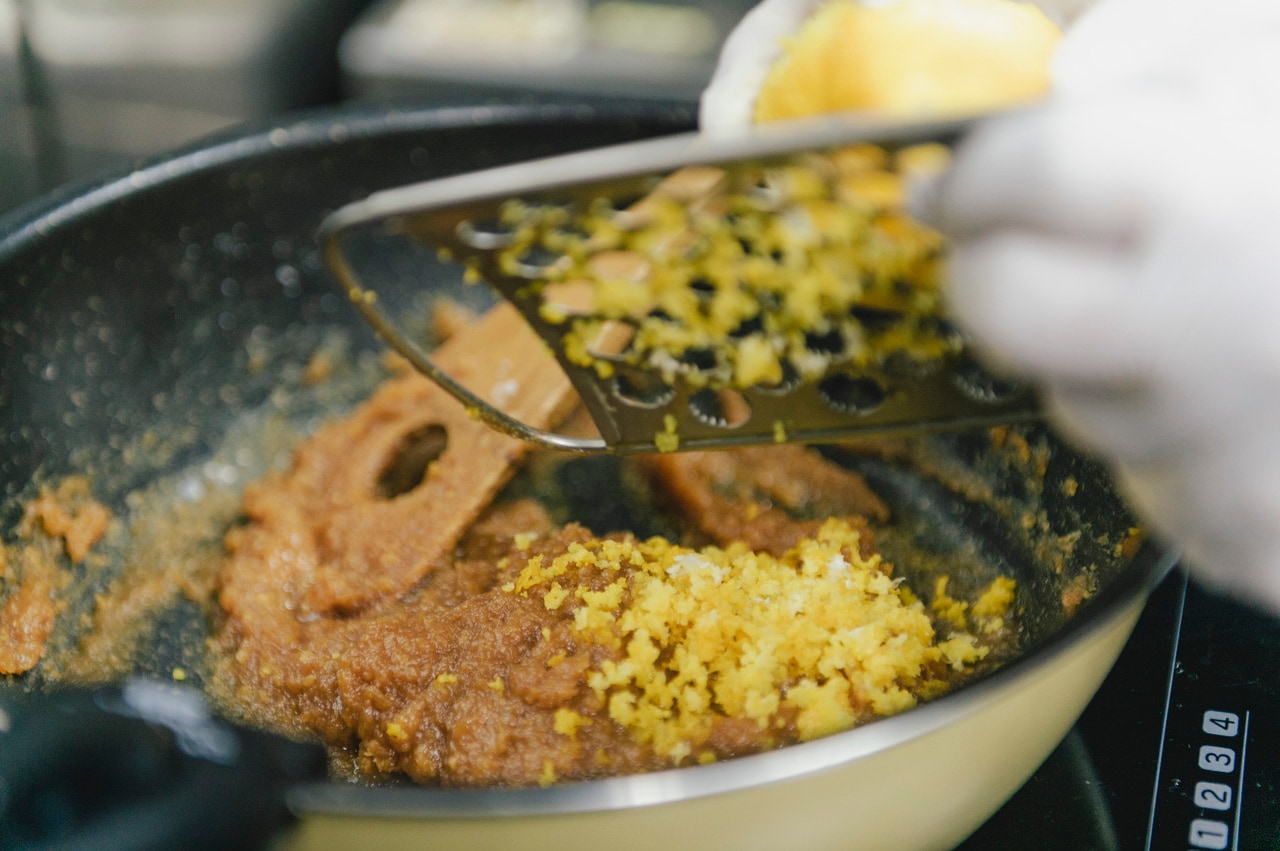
(37, 218)
(27, 226)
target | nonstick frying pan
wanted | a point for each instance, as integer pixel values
(148, 320)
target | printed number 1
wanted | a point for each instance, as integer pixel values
(1206, 833)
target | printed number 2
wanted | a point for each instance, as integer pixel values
(1212, 796)
(1214, 758)
(1221, 723)
(1206, 833)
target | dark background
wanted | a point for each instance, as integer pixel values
(89, 85)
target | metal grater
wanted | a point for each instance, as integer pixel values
(879, 358)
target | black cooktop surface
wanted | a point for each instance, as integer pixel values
(1177, 751)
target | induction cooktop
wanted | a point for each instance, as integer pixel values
(1178, 750)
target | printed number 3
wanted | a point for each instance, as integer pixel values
(1221, 760)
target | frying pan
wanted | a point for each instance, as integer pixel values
(148, 318)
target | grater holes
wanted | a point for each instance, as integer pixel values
(703, 289)
(874, 319)
(946, 330)
(903, 366)
(698, 359)
(981, 386)
(487, 235)
(535, 263)
(641, 388)
(850, 395)
(831, 343)
(747, 327)
(790, 380)
(720, 408)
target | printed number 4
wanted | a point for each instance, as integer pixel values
(1221, 723)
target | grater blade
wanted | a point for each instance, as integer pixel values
(550, 236)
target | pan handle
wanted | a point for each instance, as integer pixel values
(143, 766)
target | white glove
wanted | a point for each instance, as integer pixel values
(728, 102)
(1121, 246)
(1116, 244)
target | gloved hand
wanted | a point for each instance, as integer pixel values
(1116, 245)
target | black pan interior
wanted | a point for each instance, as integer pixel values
(148, 321)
